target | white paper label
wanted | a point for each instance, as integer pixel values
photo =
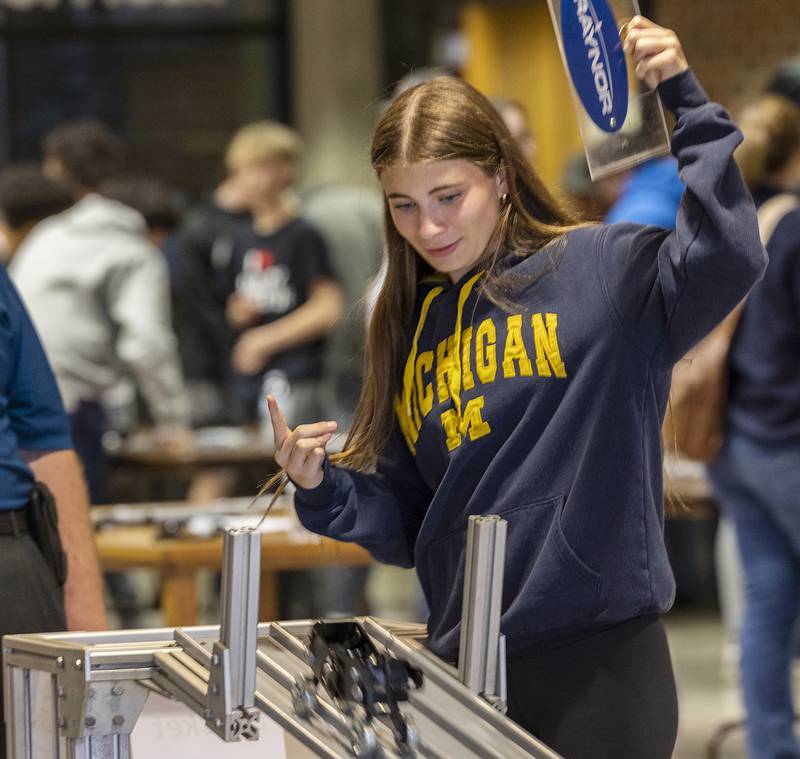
(169, 729)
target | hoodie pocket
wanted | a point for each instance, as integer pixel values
(547, 587)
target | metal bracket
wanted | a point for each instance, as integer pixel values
(220, 686)
(112, 708)
(85, 708)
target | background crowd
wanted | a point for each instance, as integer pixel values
(163, 309)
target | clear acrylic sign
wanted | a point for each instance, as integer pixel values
(621, 120)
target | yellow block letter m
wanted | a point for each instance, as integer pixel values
(470, 422)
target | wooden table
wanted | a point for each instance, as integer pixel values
(144, 468)
(179, 559)
(228, 447)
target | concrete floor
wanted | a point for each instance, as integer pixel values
(708, 696)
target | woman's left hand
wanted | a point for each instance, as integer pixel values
(656, 52)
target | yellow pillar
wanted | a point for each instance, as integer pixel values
(335, 49)
(512, 52)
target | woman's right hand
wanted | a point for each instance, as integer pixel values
(301, 451)
(657, 53)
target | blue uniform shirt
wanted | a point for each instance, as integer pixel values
(31, 413)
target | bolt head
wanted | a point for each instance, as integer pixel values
(118, 720)
(90, 721)
(117, 690)
(78, 663)
(60, 661)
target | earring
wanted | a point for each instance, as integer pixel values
(503, 198)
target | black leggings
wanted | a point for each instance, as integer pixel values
(610, 695)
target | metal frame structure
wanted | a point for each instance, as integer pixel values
(79, 695)
(482, 649)
(220, 684)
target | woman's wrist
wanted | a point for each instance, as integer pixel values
(682, 91)
(320, 494)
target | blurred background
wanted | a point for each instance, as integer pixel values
(176, 79)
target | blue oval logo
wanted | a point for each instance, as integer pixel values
(595, 61)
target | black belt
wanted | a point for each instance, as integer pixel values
(13, 522)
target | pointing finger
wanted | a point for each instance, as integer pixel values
(279, 426)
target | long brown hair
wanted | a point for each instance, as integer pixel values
(442, 119)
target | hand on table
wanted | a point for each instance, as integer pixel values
(656, 52)
(301, 451)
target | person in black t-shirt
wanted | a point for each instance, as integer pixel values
(284, 296)
(284, 300)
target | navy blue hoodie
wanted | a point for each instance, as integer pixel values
(550, 415)
(764, 389)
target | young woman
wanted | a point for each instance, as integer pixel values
(519, 364)
(756, 477)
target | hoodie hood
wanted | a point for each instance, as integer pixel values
(96, 213)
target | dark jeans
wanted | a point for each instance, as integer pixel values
(758, 487)
(88, 423)
(30, 599)
(610, 695)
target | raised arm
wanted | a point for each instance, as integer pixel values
(669, 289)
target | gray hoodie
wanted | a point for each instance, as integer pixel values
(98, 294)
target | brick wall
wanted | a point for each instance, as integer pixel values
(734, 45)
